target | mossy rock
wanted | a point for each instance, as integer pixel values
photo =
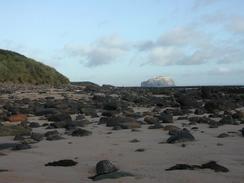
(18, 69)
(14, 130)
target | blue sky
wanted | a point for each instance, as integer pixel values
(123, 42)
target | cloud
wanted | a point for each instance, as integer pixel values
(103, 51)
(164, 55)
(203, 3)
(186, 45)
(218, 18)
(178, 36)
(231, 23)
(220, 71)
(179, 46)
(144, 45)
(236, 24)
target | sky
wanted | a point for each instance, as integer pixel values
(124, 42)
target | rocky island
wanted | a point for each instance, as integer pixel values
(159, 81)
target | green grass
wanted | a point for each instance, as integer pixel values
(16, 68)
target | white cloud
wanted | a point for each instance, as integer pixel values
(191, 46)
(102, 55)
(179, 46)
(103, 51)
(188, 45)
(178, 36)
(164, 55)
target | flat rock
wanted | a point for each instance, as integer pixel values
(65, 163)
(210, 165)
(214, 166)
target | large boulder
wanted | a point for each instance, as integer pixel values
(180, 136)
(159, 81)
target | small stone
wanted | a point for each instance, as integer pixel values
(135, 141)
(183, 145)
(140, 150)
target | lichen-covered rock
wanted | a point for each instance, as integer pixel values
(104, 167)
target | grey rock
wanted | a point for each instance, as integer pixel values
(181, 136)
(37, 136)
(81, 132)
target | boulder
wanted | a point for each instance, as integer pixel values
(59, 117)
(17, 118)
(150, 120)
(81, 132)
(37, 136)
(166, 118)
(34, 125)
(53, 135)
(180, 136)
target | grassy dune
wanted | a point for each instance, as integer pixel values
(16, 68)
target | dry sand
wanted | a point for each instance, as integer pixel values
(27, 166)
